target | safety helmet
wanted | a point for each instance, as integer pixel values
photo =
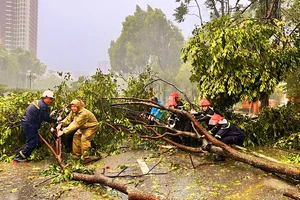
(204, 102)
(174, 94)
(172, 103)
(216, 118)
(48, 93)
(223, 121)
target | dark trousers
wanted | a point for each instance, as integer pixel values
(235, 139)
(32, 138)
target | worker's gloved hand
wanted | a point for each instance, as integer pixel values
(193, 112)
(60, 133)
(59, 119)
(58, 127)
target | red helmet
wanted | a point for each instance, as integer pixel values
(174, 94)
(172, 103)
(215, 119)
(204, 102)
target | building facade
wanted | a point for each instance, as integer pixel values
(19, 24)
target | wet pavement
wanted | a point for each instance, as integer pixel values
(170, 175)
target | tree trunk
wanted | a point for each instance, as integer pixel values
(131, 192)
(260, 163)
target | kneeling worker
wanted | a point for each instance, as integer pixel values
(85, 124)
(226, 132)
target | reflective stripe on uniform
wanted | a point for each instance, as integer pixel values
(36, 104)
(21, 153)
(226, 126)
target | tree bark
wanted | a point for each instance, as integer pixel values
(223, 149)
(131, 192)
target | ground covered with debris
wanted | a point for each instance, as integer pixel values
(168, 173)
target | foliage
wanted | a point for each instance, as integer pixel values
(289, 142)
(27, 61)
(272, 124)
(217, 8)
(147, 38)
(117, 123)
(12, 108)
(8, 67)
(3, 89)
(15, 64)
(293, 86)
(291, 11)
(182, 78)
(239, 60)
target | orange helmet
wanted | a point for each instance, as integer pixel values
(174, 94)
(204, 102)
(215, 119)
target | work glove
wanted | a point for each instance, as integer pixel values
(58, 127)
(60, 133)
(193, 112)
(59, 119)
(151, 118)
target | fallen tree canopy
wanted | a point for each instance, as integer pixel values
(218, 147)
(200, 132)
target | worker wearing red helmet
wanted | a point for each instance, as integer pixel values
(225, 132)
(178, 121)
(206, 113)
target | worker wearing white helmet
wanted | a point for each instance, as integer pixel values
(35, 114)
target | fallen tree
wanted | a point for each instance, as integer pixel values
(110, 182)
(218, 146)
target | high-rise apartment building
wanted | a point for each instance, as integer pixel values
(19, 24)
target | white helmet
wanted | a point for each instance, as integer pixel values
(223, 121)
(48, 93)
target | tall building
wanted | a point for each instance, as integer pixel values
(19, 24)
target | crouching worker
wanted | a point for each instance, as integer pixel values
(85, 124)
(226, 132)
(35, 114)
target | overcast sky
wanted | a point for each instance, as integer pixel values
(73, 35)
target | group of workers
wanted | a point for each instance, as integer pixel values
(215, 122)
(80, 122)
(84, 125)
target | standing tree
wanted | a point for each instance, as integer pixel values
(147, 38)
(291, 14)
(28, 61)
(240, 59)
(217, 8)
(8, 68)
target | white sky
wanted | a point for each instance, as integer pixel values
(74, 36)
